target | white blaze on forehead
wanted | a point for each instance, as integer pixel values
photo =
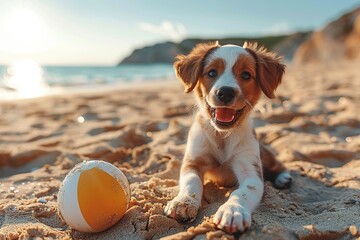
(229, 53)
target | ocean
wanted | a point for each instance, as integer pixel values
(26, 79)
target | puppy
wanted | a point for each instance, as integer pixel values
(222, 145)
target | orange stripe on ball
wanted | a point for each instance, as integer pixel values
(102, 200)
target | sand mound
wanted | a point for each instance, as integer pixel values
(313, 127)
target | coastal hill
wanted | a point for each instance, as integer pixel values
(285, 45)
(340, 39)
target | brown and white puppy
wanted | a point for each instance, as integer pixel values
(222, 146)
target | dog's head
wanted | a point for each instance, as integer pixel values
(228, 79)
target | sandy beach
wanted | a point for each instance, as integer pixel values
(313, 127)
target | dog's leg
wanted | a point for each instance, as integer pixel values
(235, 214)
(274, 170)
(185, 205)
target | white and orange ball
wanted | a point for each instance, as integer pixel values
(93, 196)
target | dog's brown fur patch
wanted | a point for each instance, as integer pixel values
(188, 68)
(269, 70)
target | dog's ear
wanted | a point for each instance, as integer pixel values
(188, 68)
(269, 70)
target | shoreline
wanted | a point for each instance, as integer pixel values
(97, 89)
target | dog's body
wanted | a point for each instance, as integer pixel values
(222, 145)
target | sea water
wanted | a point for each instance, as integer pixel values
(28, 79)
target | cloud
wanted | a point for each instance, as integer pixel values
(175, 32)
(278, 28)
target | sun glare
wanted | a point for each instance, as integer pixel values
(23, 32)
(26, 78)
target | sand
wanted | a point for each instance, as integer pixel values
(313, 127)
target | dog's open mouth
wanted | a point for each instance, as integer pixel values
(223, 116)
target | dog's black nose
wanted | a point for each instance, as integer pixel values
(225, 94)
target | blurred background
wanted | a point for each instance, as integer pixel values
(50, 46)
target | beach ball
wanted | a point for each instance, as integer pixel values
(93, 196)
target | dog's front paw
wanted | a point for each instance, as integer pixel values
(232, 217)
(183, 208)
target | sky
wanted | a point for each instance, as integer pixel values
(90, 32)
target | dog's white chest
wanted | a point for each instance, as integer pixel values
(227, 148)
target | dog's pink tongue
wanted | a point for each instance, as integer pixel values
(225, 114)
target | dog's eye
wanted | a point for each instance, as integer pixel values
(212, 73)
(245, 75)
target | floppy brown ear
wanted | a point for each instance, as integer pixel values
(188, 68)
(269, 70)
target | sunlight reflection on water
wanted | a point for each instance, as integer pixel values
(25, 78)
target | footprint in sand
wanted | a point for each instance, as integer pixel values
(109, 128)
(27, 161)
(130, 137)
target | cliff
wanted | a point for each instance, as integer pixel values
(340, 39)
